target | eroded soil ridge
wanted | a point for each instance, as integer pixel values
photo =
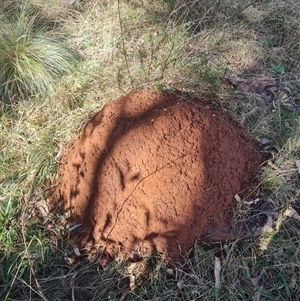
(155, 172)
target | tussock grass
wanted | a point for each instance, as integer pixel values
(190, 46)
(31, 58)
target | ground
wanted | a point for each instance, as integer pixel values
(241, 57)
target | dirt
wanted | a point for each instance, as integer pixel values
(156, 172)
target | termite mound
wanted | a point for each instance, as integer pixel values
(156, 171)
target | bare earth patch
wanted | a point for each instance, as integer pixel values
(157, 172)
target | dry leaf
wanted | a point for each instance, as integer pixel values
(132, 282)
(76, 251)
(27, 216)
(291, 212)
(256, 296)
(293, 283)
(217, 272)
(237, 198)
(255, 280)
(287, 125)
(273, 165)
(74, 227)
(170, 272)
(131, 269)
(251, 202)
(264, 141)
(43, 207)
(298, 165)
(180, 284)
(135, 270)
(262, 86)
(253, 84)
(69, 260)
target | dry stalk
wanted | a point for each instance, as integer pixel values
(123, 43)
(13, 281)
(39, 290)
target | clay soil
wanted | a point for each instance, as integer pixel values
(156, 172)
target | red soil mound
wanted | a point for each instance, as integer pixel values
(156, 171)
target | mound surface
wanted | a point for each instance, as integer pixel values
(156, 172)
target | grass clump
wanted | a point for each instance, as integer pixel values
(32, 58)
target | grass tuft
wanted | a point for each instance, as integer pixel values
(31, 57)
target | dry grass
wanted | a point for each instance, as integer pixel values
(191, 46)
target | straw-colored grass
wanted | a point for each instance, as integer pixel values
(193, 46)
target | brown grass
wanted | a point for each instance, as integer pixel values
(192, 46)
